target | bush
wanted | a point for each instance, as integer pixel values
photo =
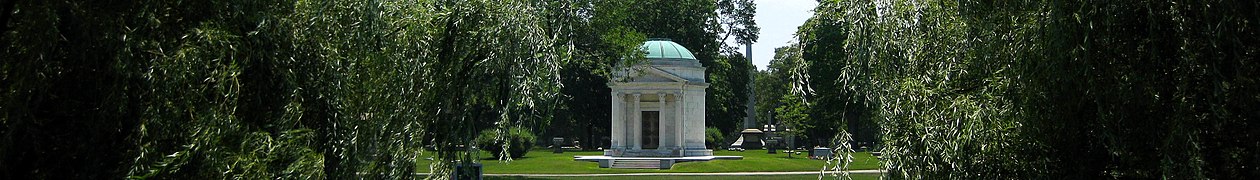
(713, 137)
(519, 141)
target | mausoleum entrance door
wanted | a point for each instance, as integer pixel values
(651, 129)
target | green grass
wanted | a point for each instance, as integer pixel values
(758, 177)
(545, 162)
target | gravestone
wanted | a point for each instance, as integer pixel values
(467, 171)
(557, 145)
(770, 146)
(749, 139)
(822, 152)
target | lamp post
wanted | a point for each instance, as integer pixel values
(790, 151)
(769, 129)
(770, 141)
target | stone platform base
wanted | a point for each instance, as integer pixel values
(664, 162)
(657, 152)
(749, 139)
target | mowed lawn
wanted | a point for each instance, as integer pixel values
(546, 162)
(758, 177)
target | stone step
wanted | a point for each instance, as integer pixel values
(637, 164)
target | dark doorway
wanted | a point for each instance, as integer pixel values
(651, 129)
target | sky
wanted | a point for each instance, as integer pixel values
(778, 20)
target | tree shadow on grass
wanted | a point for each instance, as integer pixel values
(514, 178)
(496, 159)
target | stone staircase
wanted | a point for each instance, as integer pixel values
(640, 164)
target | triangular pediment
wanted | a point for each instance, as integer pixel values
(653, 74)
(665, 74)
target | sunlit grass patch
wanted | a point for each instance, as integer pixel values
(545, 162)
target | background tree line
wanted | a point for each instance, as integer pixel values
(1037, 89)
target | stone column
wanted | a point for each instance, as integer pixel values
(636, 125)
(660, 114)
(618, 122)
(678, 123)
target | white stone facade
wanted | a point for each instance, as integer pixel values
(665, 94)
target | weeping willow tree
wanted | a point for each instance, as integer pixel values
(272, 89)
(1043, 89)
(504, 64)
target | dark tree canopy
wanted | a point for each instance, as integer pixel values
(1043, 89)
(263, 89)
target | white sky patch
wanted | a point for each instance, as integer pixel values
(778, 20)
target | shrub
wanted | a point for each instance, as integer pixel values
(519, 141)
(713, 137)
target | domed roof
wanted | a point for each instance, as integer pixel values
(663, 52)
(661, 48)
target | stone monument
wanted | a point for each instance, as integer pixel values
(750, 137)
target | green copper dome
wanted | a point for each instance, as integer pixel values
(660, 48)
(663, 52)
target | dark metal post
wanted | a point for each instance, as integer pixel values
(557, 144)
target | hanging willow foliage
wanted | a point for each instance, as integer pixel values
(268, 89)
(1044, 89)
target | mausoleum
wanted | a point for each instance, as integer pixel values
(658, 108)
